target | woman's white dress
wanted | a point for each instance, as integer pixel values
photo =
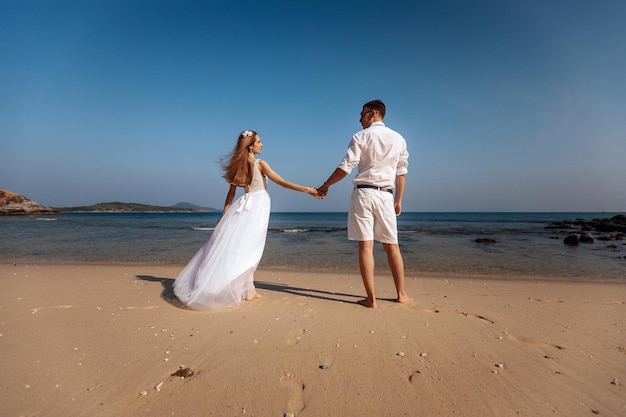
(220, 275)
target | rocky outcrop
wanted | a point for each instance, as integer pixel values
(16, 204)
(614, 224)
(605, 229)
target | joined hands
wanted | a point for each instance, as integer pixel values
(319, 193)
(313, 192)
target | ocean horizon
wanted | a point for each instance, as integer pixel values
(431, 242)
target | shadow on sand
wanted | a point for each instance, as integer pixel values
(308, 292)
(168, 291)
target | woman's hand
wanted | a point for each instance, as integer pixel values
(313, 192)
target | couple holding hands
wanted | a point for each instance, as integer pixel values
(220, 274)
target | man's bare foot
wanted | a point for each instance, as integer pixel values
(253, 296)
(368, 303)
(404, 299)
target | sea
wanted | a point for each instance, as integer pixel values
(434, 243)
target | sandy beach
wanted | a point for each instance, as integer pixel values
(104, 340)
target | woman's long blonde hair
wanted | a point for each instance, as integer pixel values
(236, 165)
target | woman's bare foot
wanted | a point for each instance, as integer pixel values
(368, 303)
(254, 296)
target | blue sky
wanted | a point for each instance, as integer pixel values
(505, 105)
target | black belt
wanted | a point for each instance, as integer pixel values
(390, 190)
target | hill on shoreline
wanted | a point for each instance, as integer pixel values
(116, 206)
(185, 205)
(12, 203)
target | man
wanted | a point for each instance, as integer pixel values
(382, 159)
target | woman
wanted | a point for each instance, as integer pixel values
(220, 275)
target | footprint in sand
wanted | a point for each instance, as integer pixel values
(414, 376)
(294, 389)
(295, 335)
(476, 316)
(35, 310)
(310, 313)
(533, 342)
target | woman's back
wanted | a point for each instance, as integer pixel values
(259, 182)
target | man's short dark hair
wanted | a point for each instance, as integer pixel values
(377, 105)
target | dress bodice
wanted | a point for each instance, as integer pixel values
(259, 182)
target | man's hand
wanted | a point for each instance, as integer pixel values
(322, 191)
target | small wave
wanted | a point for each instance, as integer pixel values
(203, 229)
(44, 219)
(295, 230)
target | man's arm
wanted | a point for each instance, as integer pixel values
(336, 176)
(400, 184)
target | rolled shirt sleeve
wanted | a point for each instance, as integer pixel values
(403, 163)
(352, 158)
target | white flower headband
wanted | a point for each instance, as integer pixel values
(246, 133)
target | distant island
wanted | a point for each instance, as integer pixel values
(117, 206)
(12, 203)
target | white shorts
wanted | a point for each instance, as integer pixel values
(372, 216)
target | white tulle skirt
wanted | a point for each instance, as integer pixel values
(220, 275)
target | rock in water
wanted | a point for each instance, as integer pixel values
(572, 240)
